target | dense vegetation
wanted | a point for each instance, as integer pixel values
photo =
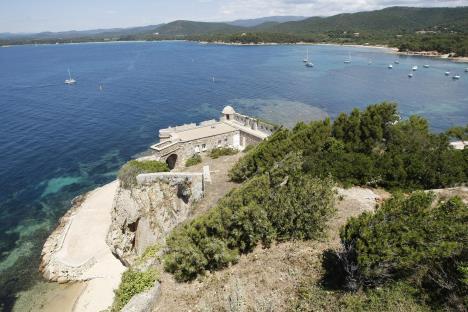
(370, 147)
(281, 204)
(411, 240)
(222, 151)
(128, 173)
(415, 29)
(133, 282)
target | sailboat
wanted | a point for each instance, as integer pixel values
(70, 80)
(390, 66)
(410, 75)
(308, 63)
(306, 60)
(447, 73)
(426, 66)
(397, 62)
(347, 61)
(456, 77)
(415, 68)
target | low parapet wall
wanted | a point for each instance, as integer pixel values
(194, 179)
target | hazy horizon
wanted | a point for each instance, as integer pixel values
(27, 16)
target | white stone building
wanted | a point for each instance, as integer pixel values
(234, 130)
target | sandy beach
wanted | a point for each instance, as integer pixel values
(82, 247)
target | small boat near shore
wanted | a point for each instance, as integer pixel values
(415, 68)
(456, 77)
(447, 73)
(390, 66)
(410, 75)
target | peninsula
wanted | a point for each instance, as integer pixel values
(243, 210)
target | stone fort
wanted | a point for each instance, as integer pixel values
(234, 130)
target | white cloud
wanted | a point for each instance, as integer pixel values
(256, 8)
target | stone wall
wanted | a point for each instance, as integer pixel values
(188, 149)
(248, 139)
(144, 215)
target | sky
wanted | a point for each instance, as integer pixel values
(59, 15)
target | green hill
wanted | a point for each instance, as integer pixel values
(389, 20)
(190, 28)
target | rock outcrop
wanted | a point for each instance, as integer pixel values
(146, 213)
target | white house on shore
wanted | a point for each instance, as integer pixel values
(234, 130)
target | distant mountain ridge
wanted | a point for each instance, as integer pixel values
(388, 21)
(270, 19)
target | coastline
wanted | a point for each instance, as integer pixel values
(76, 253)
(386, 48)
(389, 49)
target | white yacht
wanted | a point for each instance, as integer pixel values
(390, 66)
(410, 75)
(415, 68)
(307, 62)
(447, 73)
(70, 80)
(456, 77)
(426, 66)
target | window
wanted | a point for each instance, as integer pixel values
(203, 147)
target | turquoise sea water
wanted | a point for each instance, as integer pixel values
(58, 141)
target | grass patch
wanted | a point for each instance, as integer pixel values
(222, 151)
(128, 173)
(132, 283)
(194, 160)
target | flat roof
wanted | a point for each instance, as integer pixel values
(203, 132)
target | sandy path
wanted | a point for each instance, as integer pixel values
(85, 245)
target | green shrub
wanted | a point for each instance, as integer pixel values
(222, 151)
(369, 147)
(128, 173)
(283, 204)
(410, 239)
(248, 148)
(132, 283)
(194, 160)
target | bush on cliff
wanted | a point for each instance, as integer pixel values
(132, 283)
(370, 147)
(412, 240)
(222, 151)
(128, 173)
(283, 204)
(194, 160)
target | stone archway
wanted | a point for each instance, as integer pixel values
(171, 161)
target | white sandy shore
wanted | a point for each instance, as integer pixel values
(84, 247)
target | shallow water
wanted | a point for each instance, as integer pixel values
(57, 141)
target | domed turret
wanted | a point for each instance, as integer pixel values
(228, 112)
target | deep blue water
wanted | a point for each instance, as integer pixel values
(57, 141)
